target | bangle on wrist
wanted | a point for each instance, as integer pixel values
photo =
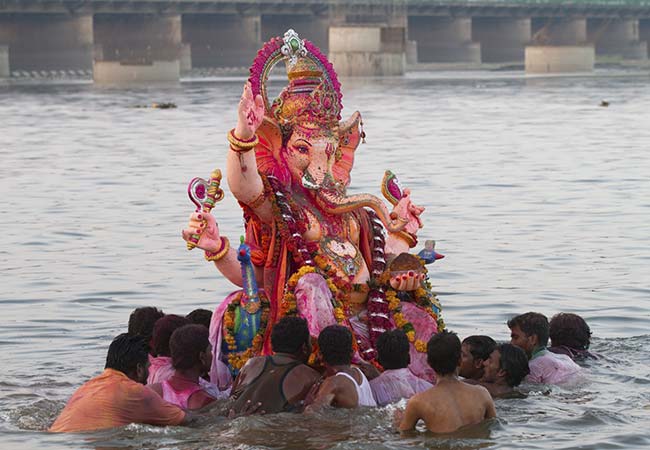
(223, 251)
(241, 145)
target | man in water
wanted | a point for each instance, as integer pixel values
(118, 396)
(451, 403)
(191, 357)
(475, 350)
(142, 321)
(161, 368)
(530, 332)
(396, 381)
(570, 335)
(200, 316)
(505, 369)
(279, 382)
(344, 386)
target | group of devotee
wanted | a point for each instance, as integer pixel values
(157, 373)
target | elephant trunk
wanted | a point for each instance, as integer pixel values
(333, 201)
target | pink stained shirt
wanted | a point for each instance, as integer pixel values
(551, 368)
(396, 384)
(178, 397)
(160, 369)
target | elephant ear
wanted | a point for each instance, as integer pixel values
(268, 151)
(349, 138)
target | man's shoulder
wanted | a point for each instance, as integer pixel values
(303, 371)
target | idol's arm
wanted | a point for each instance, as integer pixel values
(241, 166)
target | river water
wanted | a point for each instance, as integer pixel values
(538, 196)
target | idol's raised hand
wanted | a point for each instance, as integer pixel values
(250, 113)
(205, 226)
(410, 212)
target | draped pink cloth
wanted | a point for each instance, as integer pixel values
(314, 302)
(219, 372)
(425, 327)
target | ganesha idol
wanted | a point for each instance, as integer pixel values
(309, 249)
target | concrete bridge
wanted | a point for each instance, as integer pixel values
(148, 40)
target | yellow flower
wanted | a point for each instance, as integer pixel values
(421, 346)
(399, 320)
(339, 315)
(411, 336)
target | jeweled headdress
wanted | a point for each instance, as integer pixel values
(311, 100)
(313, 94)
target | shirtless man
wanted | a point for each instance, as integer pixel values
(279, 382)
(450, 404)
(505, 369)
(344, 386)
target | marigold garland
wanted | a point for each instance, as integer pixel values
(426, 300)
(238, 359)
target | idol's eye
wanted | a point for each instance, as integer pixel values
(302, 149)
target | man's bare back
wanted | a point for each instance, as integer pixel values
(448, 406)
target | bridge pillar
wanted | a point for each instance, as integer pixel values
(444, 39)
(222, 40)
(644, 32)
(47, 42)
(559, 45)
(357, 50)
(314, 28)
(502, 39)
(4, 61)
(137, 48)
(617, 38)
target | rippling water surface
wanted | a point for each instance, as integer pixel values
(539, 198)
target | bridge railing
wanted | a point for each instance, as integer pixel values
(406, 3)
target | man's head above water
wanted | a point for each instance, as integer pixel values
(443, 353)
(508, 364)
(142, 321)
(335, 344)
(529, 331)
(130, 355)
(290, 335)
(474, 351)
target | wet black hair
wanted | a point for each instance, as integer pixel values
(142, 320)
(443, 352)
(289, 335)
(335, 344)
(200, 317)
(514, 361)
(570, 330)
(186, 345)
(480, 346)
(532, 324)
(162, 332)
(126, 352)
(393, 350)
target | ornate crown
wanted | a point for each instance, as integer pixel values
(313, 96)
